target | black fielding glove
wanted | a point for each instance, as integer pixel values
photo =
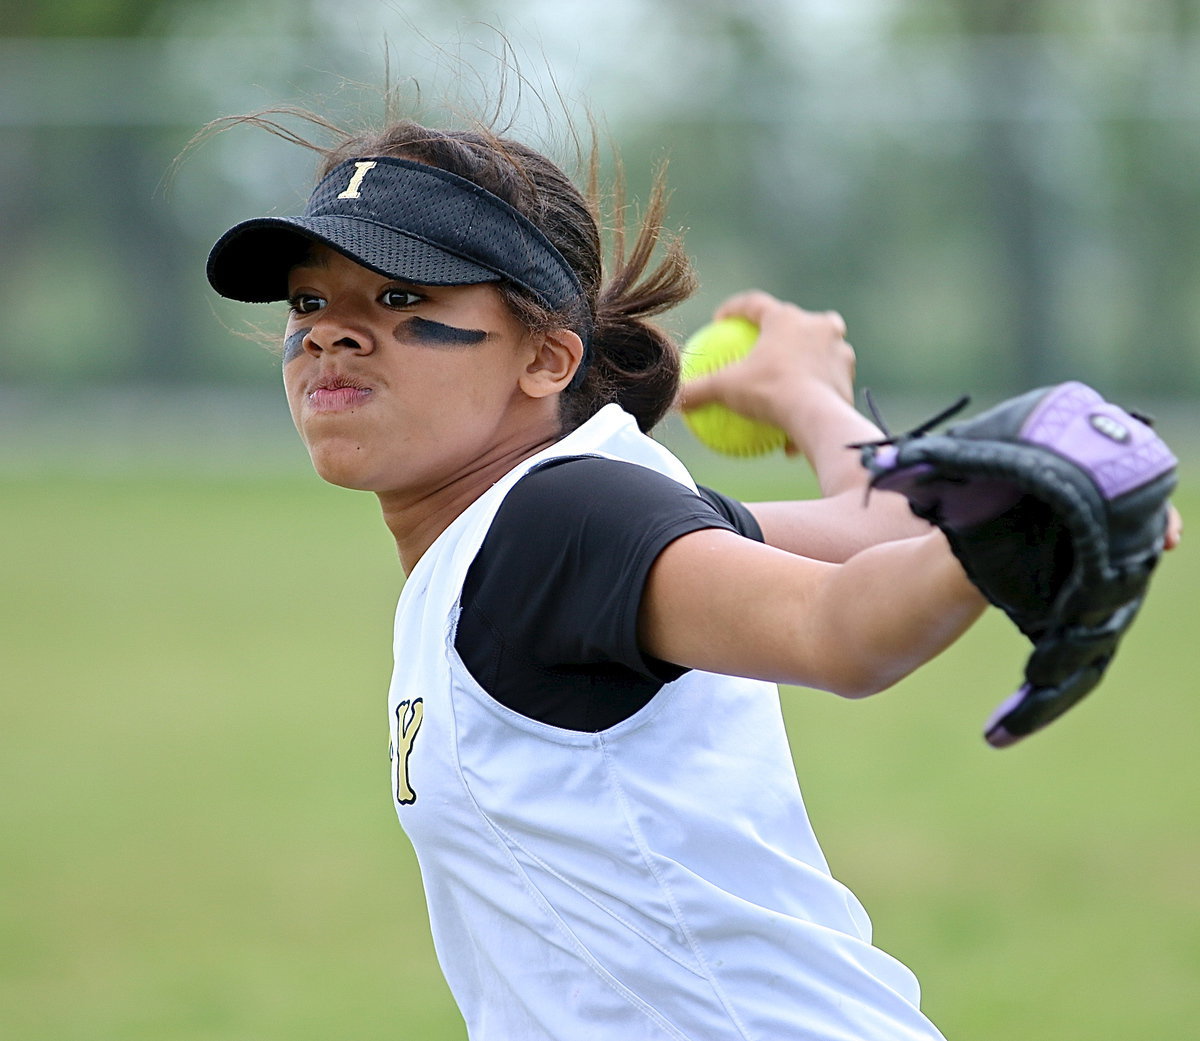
(1055, 503)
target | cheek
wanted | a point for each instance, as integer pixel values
(293, 345)
(482, 393)
(291, 389)
(467, 374)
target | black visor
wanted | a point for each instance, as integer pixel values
(405, 220)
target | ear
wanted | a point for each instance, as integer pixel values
(557, 355)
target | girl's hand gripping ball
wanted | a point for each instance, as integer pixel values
(714, 346)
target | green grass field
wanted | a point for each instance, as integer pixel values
(198, 841)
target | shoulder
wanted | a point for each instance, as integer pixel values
(550, 604)
(614, 494)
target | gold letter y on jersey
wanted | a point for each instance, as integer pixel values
(409, 715)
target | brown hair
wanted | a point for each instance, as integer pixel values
(634, 362)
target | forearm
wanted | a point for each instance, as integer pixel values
(800, 377)
(820, 425)
(890, 609)
(838, 527)
(846, 520)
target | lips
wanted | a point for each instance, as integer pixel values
(337, 394)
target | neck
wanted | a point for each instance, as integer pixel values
(416, 521)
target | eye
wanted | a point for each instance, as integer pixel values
(306, 303)
(399, 298)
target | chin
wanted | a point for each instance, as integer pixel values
(343, 466)
(344, 480)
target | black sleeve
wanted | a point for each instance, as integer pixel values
(736, 513)
(550, 604)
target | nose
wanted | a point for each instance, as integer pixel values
(332, 332)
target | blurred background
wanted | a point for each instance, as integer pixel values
(995, 192)
(196, 840)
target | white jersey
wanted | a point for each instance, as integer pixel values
(656, 880)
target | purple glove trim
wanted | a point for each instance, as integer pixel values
(885, 456)
(1118, 451)
(953, 505)
(994, 732)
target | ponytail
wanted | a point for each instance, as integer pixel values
(634, 362)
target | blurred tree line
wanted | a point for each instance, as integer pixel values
(996, 193)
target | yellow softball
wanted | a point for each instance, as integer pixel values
(714, 346)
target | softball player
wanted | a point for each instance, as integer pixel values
(587, 750)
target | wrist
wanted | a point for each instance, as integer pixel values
(821, 424)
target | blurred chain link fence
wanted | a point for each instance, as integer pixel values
(988, 211)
